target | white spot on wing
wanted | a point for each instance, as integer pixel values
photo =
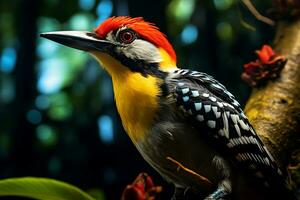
(185, 90)
(195, 74)
(237, 128)
(236, 103)
(220, 104)
(227, 113)
(233, 142)
(217, 86)
(228, 93)
(198, 106)
(211, 124)
(195, 93)
(243, 125)
(254, 157)
(252, 131)
(183, 71)
(248, 140)
(234, 118)
(226, 129)
(200, 118)
(221, 132)
(215, 110)
(207, 108)
(244, 140)
(230, 106)
(267, 161)
(243, 157)
(248, 156)
(205, 95)
(261, 159)
(185, 98)
(206, 78)
(213, 99)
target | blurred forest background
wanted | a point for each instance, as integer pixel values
(57, 113)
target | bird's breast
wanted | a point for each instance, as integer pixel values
(137, 102)
(179, 154)
(136, 96)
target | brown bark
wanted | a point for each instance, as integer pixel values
(274, 109)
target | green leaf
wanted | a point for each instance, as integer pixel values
(41, 188)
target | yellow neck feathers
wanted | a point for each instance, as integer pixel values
(167, 62)
(135, 95)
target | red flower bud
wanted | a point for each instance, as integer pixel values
(267, 66)
(265, 54)
(142, 188)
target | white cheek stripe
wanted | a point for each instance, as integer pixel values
(141, 50)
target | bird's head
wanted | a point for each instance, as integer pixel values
(123, 44)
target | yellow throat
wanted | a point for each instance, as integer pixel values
(136, 96)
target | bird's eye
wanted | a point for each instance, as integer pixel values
(127, 36)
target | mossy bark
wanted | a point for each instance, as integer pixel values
(274, 109)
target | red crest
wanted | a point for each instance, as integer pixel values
(147, 31)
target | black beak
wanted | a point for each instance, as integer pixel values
(81, 40)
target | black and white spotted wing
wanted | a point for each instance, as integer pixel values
(215, 110)
(212, 85)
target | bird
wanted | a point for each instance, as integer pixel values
(184, 123)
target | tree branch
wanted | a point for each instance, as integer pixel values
(256, 14)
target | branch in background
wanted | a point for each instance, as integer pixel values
(256, 14)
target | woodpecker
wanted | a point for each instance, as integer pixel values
(184, 123)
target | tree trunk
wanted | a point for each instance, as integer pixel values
(23, 155)
(274, 109)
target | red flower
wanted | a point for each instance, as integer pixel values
(142, 188)
(267, 66)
